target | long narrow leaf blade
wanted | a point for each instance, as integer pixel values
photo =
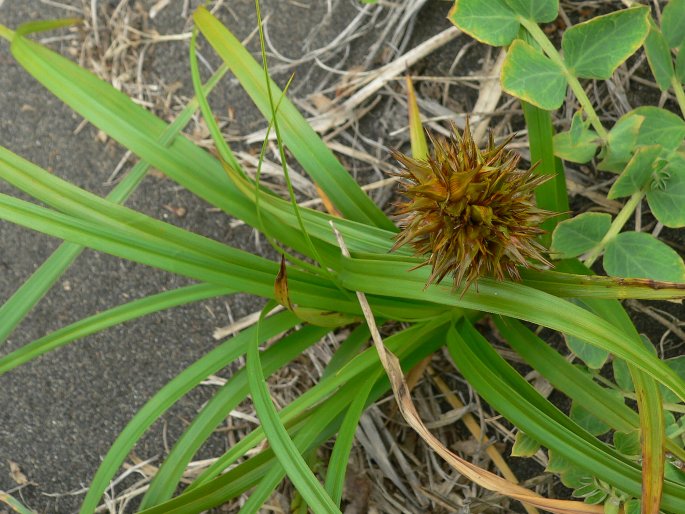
(298, 136)
(509, 299)
(109, 318)
(517, 400)
(213, 488)
(221, 356)
(214, 413)
(288, 455)
(34, 288)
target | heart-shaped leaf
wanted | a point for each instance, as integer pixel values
(673, 22)
(524, 445)
(582, 150)
(580, 234)
(637, 174)
(595, 48)
(592, 356)
(641, 255)
(529, 75)
(489, 21)
(540, 11)
(587, 420)
(659, 58)
(621, 142)
(667, 198)
(659, 127)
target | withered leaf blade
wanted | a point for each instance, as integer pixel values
(281, 287)
(16, 474)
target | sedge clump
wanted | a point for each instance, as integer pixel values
(470, 212)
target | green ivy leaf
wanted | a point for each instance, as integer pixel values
(540, 11)
(641, 255)
(595, 48)
(628, 443)
(579, 234)
(622, 375)
(591, 355)
(571, 476)
(557, 463)
(580, 146)
(529, 75)
(667, 198)
(578, 126)
(524, 445)
(621, 142)
(659, 127)
(489, 21)
(637, 174)
(632, 507)
(659, 58)
(589, 421)
(673, 22)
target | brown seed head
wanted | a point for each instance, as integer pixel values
(471, 212)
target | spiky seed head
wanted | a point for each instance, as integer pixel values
(470, 212)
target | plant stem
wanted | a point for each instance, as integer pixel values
(6, 33)
(619, 221)
(551, 52)
(679, 93)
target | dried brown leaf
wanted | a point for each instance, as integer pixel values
(16, 474)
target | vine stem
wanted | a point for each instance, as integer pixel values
(679, 93)
(619, 221)
(551, 52)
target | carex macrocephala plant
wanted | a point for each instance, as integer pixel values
(470, 212)
(485, 199)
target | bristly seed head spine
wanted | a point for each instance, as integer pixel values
(470, 212)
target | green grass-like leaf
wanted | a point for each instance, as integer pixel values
(298, 136)
(109, 318)
(511, 395)
(215, 411)
(33, 289)
(221, 356)
(508, 299)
